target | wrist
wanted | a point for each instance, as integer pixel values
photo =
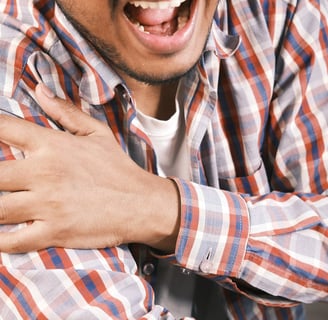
(163, 222)
(170, 218)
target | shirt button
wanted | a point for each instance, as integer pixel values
(185, 271)
(206, 266)
(126, 97)
(148, 269)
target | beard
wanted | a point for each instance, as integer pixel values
(115, 60)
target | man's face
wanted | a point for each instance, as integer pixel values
(151, 41)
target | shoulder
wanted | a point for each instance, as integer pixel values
(24, 30)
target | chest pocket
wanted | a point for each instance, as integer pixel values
(255, 184)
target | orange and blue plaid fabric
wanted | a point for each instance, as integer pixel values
(255, 213)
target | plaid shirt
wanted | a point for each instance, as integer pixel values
(255, 213)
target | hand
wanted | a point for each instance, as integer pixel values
(78, 188)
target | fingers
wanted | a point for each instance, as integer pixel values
(30, 238)
(27, 136)
(19, 133)
(67, 114)
(17, 207)
(15, 175)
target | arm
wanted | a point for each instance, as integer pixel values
(94, 196)
(283, 252)
(231, 254)
(271, 231)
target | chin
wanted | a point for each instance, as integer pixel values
(167, 70)
(160, 77)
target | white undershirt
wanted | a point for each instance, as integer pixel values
(169, 142)
(175, 289)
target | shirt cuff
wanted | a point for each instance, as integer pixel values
(214, 230)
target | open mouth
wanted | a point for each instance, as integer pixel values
(161, 18)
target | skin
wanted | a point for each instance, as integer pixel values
(149, 74)
(79, 189)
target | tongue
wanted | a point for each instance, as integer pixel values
(151, 17)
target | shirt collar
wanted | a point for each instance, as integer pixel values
(98, 82)
(220, 41)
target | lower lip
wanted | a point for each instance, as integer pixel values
(167, 44)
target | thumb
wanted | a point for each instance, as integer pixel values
(69, 116)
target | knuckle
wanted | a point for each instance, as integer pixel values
(4, 123)
(16, 245)
(3, 211)
(70, 111)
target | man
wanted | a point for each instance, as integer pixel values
(208, 146)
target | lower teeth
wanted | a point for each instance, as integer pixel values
(164, 28)
(141, 27)
(182, 21)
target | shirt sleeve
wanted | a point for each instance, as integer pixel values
(59, 283)
(275, 240)
(276, 243)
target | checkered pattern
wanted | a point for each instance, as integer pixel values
(255, 213)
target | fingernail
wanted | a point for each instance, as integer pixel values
(47, 91)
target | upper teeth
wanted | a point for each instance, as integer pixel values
(157, 4)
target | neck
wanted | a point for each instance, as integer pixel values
(157, 101)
